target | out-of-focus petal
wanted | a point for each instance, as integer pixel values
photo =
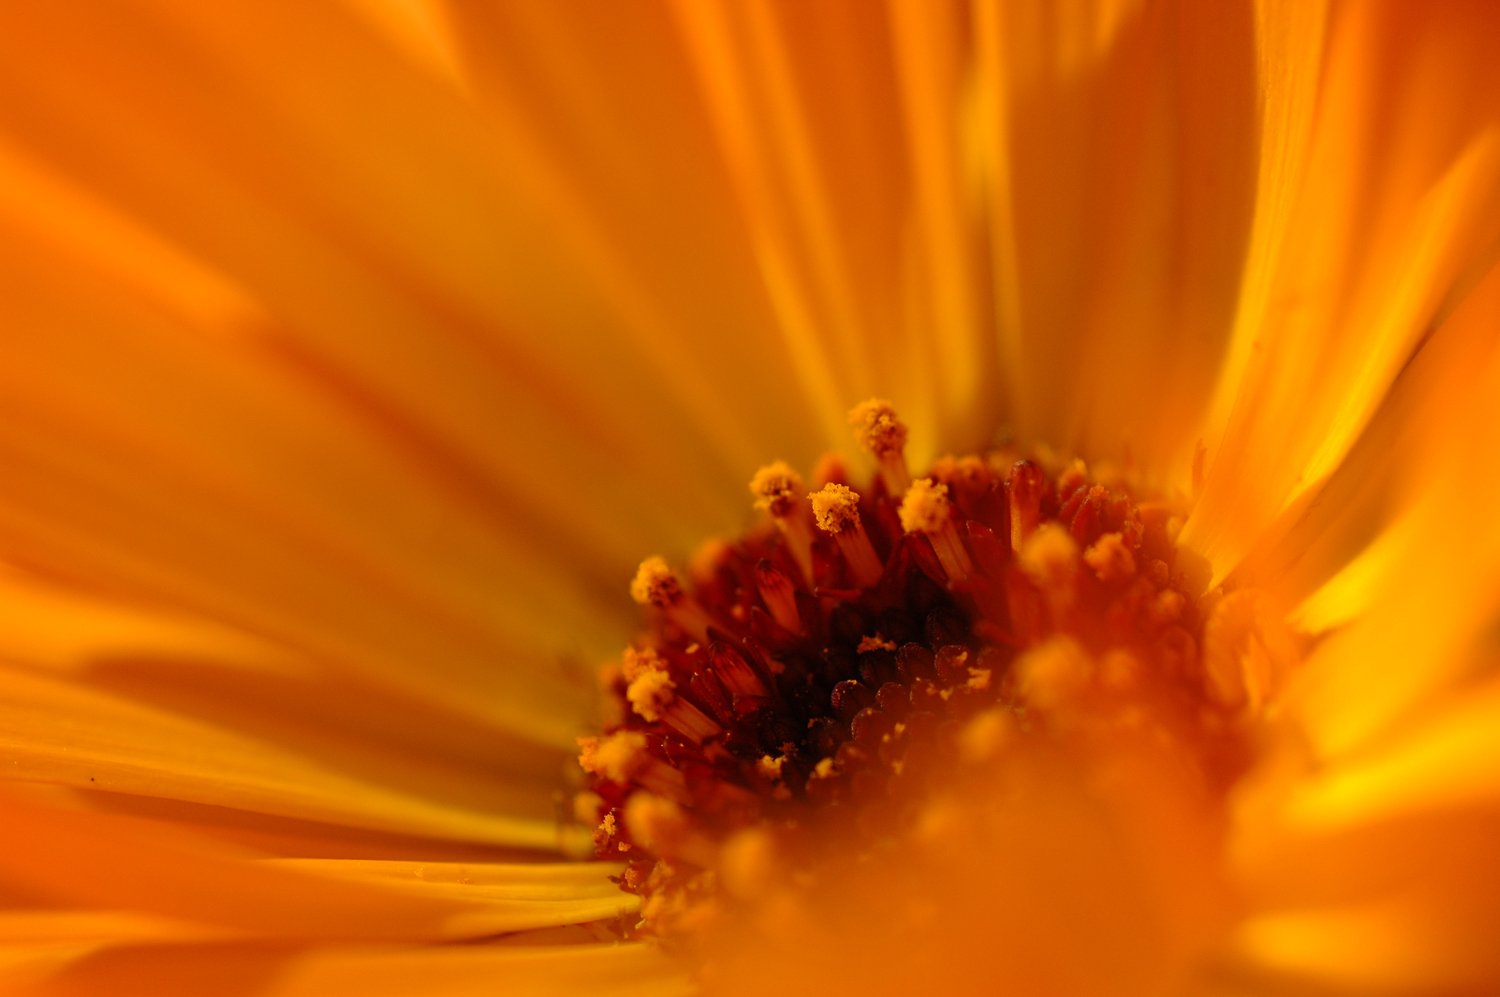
(1396, 215)
(562, 970)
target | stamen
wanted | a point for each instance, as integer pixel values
(619, 757)
(801, 679)
(656, 584)
(779, 595)
(661, 826)
(650, 693)
(926, 510)
(748, 863)
(1110, 558)
(638, 661)
(1025, 487)
(778, 490)
(735, 672)
(1049, 557)
(878, 431)
(836, 508)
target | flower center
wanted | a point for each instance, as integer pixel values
(822, 670)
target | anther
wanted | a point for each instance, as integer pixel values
(836, 508)
(778, 490)
(622, 757)
(1110, 558)
(656, 584)
(1025, 488)
(779, 595)
(1049, 558)
(926, 510)
(650, 693)
(663, 827)
(618, 757)
(735, 672)
(879, 432)
(748, 863)
(639, 660)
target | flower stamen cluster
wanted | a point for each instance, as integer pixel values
(827, 664)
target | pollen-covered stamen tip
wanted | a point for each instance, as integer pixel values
(618, 757)
(656, 584)
(652, 695)
(926, 510)
(836, 508)
(663, 827)
(622, 758)
(778, 490)
(879, 432)
(1051, 560)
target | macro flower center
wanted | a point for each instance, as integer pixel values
(808, 683)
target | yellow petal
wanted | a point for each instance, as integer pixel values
(79, 860)
(1339, 546)
(64, 733)
(1122, 145)
(631, 970)
(1378, 249)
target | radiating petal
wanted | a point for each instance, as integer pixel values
(632, 970)
(177, 888)
(64, 733)
(1343, 544)
(1122, 139)
(1396, 215)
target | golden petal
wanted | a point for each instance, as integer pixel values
(1396, 215)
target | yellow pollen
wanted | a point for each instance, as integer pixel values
(836, 508)
(638, 661)
(618, 757)
(666, 829)
(925, 508)
(748, 863)
(877, 428)
(879, 432)
(655, 584)
(650, 693)
(1055, 674)
(608, 833)
(1110, 558)
(776, 488)
(770, 768)
(1049, 557)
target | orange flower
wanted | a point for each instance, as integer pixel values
(355, 353)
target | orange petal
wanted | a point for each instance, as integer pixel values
(1395, 217)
